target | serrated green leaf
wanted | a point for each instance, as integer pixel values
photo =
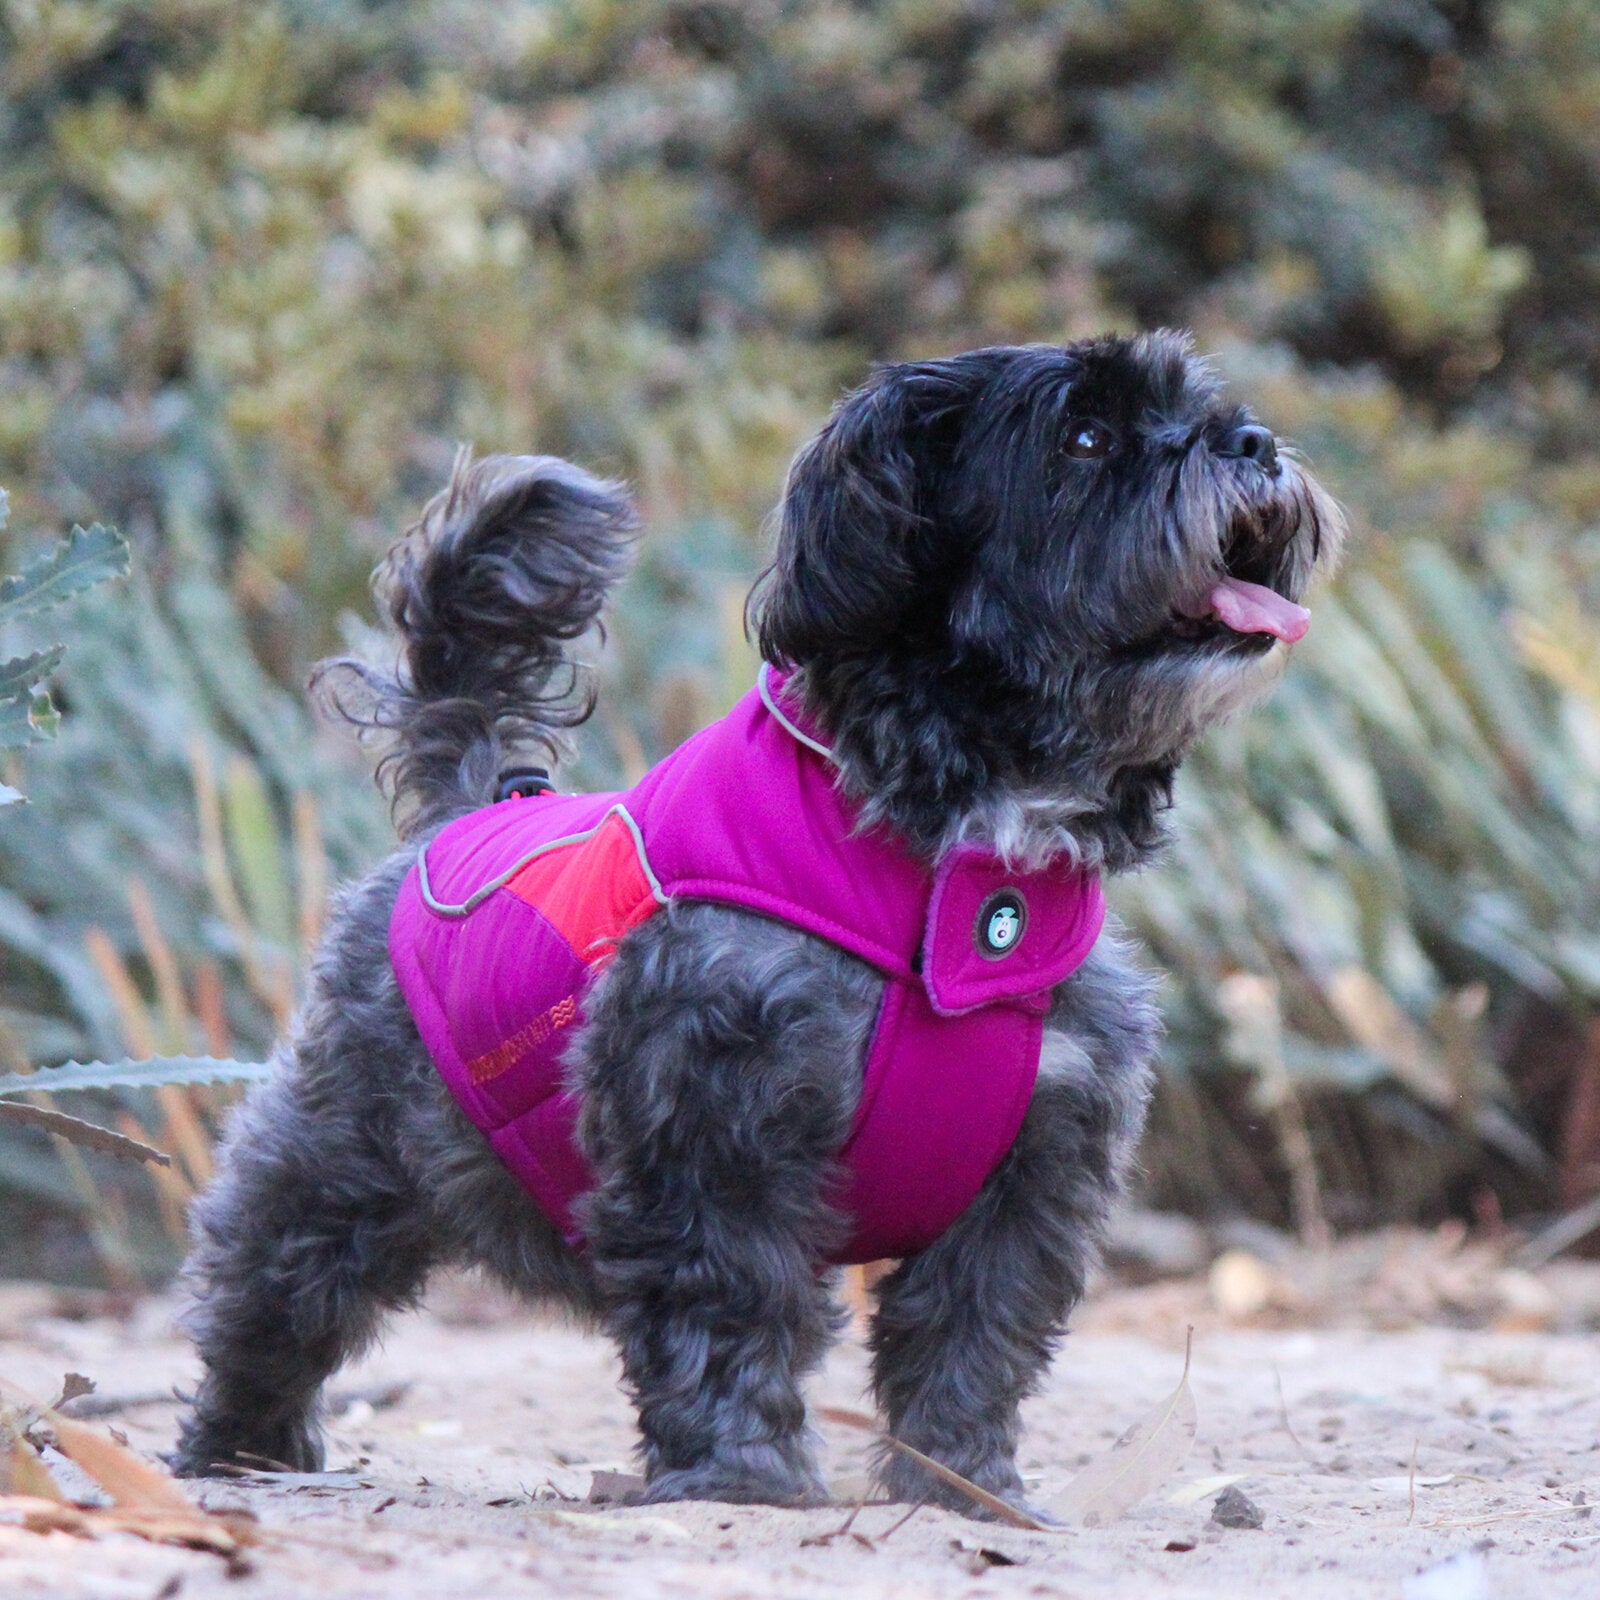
(149, 1073)
(26, 719)
(21, 673)
(43, 715)
(84, 558)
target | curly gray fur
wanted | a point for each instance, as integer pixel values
(506, 566)
(985, 626)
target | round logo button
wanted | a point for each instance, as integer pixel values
(1001, 921)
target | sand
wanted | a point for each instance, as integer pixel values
(1418, 1463)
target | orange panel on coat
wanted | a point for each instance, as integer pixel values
(592, 891)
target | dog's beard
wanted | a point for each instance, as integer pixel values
(1222, 609)
(1183, 665)
(1031, 824)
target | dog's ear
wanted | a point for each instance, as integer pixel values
(854, 520)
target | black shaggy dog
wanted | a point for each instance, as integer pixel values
(1006, 583)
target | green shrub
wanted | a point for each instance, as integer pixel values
(262, 267)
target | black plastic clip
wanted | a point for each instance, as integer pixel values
(522, 783)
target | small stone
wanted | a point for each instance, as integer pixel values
(1523, 1303)
(1235, 1509)
(1243, 1286)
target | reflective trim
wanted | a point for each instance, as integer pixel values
(479, 895)
(770, 702)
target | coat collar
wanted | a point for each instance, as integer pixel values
(992, 932)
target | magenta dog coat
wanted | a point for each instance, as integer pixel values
(512, 910)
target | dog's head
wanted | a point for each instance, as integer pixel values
(1017, 583)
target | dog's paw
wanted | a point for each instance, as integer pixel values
(969, 1507)
(209, 1452)
(902, 1479)
(717, 1481)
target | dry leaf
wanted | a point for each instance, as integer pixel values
(850, 1488)
(298, 1482)
(1373, 1019)
(21, 1470)
(990, 1502)
(44, 1514)
(1198, 1489)
(599, 1522)
(23, 1473)
(146, 1498)
(201, 1530)
(1525, 1305)
(1510, 1369)
(74, 1386)
(134, 1483)
(1138, 1463)
(89, 1134)
(607, 1487)
(980, 1557)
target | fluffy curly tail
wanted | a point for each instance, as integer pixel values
(504, 568)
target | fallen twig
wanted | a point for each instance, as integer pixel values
(990, 1502)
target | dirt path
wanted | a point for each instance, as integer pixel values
(464, 1432)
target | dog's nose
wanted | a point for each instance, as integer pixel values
(1252, 442)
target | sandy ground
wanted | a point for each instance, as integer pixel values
(1420, 1463)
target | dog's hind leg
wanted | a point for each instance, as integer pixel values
(720, 1064)
(309, 1233)
(964, 1330)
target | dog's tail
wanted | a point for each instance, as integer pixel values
(505, 567)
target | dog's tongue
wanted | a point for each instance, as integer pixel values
(1254, 608)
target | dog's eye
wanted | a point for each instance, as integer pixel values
(1088, 441)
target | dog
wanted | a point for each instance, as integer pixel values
(1010, 589)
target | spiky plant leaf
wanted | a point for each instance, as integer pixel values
(150, 1073)
(27, 719)
(87, 556)
(20, 674)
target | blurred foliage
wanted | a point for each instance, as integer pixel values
(27, 713)
(262, 266)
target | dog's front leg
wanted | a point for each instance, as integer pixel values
(965, 1329)
(720, 1066)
